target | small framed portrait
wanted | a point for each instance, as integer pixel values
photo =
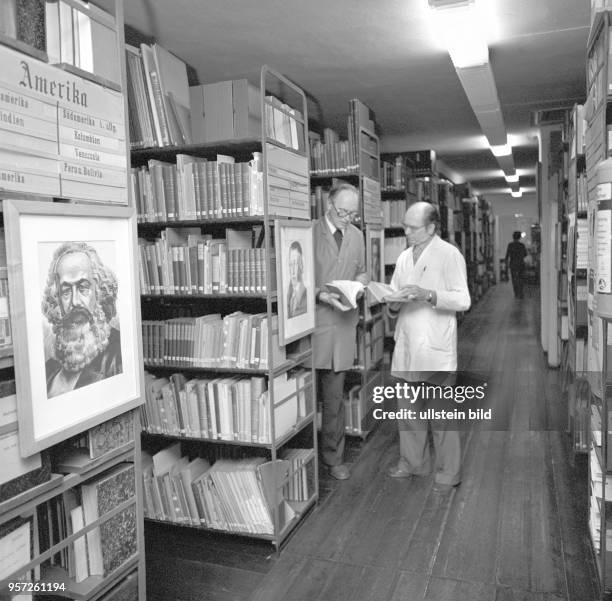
(74, 302)
(295, 279)
(375, 247)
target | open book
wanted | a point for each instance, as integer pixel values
(348, 290)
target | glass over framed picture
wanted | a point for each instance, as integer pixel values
(74, 302)
(295, 277)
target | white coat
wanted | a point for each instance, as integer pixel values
(426, 336)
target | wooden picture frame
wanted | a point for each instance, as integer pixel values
(294, 271)
(75, 312)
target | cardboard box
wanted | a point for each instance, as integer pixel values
(225, 110)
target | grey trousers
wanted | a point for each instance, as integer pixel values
(415, 454)
(331, 391)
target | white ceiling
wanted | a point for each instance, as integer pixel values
(385, 53)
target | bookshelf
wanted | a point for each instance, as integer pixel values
(357, 161)
(576, 267)
(241, 407)
(596, 149)
(65, 142)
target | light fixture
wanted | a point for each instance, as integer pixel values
(462, 27)
(516, 194)
(512, 179)
(501, 150)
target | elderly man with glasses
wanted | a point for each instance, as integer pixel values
(339, 255)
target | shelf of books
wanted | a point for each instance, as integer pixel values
(577, 264)
(597, 118)
(223, 196)
(71, 514)
(356, 161)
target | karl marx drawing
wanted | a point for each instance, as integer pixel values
(79, 302)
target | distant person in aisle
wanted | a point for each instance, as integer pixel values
(515, 261)
(297, 303)
(79, 303)
(431, 283)
(339, 255)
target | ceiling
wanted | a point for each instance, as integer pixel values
(387, 54)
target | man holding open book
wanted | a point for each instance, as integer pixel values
(431, 286)
(339, 255)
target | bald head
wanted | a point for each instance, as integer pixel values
(420, 222)
(422, 212)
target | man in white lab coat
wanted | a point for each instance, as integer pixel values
(431, 283)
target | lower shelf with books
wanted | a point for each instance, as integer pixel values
(244, 495)
(90, 589)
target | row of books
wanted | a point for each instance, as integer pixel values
(393, 212)
(225, 408)
(331, 158)
(108, 546)
(197, 189)
(204, 267)
(234, 495)
(393, 174)
(238, 340)
(158, 97)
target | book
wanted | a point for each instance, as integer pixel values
(348, 291)
(114, 541)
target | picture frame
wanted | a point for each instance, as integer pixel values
(74, 301)
(375, 251)
(295, 278)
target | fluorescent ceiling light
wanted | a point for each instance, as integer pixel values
(462, 26)
(503, 150)
(512, 179)
(516, 194)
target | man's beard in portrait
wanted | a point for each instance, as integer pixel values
(80, 337)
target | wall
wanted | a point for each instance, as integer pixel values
(506, 208)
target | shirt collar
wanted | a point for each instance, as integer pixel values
(330, 225)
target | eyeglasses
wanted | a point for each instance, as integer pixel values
(343, 213)
(413, 228)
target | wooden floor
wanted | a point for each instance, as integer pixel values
(515, 530)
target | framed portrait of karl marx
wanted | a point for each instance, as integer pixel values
(295, 278)
(75, 306)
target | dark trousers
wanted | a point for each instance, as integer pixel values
(517, 281)
(331, 391)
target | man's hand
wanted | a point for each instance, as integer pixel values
(409, 293)
(332, 299)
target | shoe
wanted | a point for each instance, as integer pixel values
(397, 471)
(339, 472)
(442, 489)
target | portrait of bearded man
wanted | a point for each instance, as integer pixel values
(79, 302)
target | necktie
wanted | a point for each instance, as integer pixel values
(338, 238)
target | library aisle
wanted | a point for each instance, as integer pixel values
(516, 528)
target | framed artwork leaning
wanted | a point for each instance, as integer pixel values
(75, 309)
(295, 278)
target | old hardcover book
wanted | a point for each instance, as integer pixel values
(114, 542)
